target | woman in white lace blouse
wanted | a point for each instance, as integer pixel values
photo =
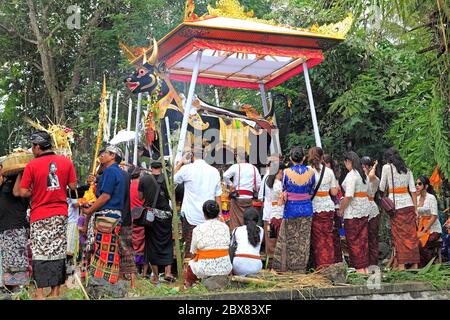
(210, 244)
(355, 209)
(430, 228)
(324, 210)
(402, 192)
(369, 167)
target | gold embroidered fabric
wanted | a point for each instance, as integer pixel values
(297, 178)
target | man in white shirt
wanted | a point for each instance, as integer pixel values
(246, 180)
(201, 183)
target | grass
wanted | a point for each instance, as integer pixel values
(437, 275)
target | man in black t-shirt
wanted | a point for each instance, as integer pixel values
(158, 236)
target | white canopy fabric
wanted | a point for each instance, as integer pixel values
(122, 136)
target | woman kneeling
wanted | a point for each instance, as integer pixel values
(210, 243)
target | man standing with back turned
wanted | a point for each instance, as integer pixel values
(48, 216)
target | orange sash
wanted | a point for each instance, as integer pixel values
(370, 198)
(210, 254)
(274, 203)
(399, 190)
(423, 222)
(244, 255)
(360, 194)
(322, 194)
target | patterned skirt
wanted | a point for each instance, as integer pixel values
(13, 245)
(105, 259)
(293, 245)
(357, 236)
(49, 247)
(126, 251)
(404, 235)
(322, 238)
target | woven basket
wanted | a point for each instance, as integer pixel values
(16, 162)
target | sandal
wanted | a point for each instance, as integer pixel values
(170, 278)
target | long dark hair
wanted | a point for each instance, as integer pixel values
(251, 217)
(392, 156)
(315, 157)
(271, 177)
(297, 154)
(367, 161)
(334, 164)
(426, 182)
(356, 163)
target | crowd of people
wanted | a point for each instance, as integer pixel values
(294, 215)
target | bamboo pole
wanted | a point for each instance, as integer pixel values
(100, 125)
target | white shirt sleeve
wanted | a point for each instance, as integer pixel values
(231, 172)
(334, 182)
(179, 177)
(433, 205)
(218, 191)
(261, 189)
(258, 178)
(194, 241)
(411, 182)
(384, 178)
(351, 185)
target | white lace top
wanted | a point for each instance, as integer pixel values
(358, 207)
(328, 181)
(402, 200)
(371, 190)
(276, 210)
(431, 203)
(212, 234)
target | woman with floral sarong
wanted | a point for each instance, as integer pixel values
(403, 223)
(293, 244)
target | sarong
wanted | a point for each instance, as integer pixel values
(426, 252)
(293, 245)
(337, 238)
(49, 248)
(404, 236)
(322, 238)
(187, 229)
(105, 259)
(139, 244)
(127, 263)
(13, 245)
(237, 208)
(159, 243)
(269, 243)
(374, 250)
(357, 236)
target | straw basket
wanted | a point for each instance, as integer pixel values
(16, 162)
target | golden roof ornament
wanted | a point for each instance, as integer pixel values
(339, 29)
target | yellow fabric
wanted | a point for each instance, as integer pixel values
(242, 140)
(227, 133)
(423, 222)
